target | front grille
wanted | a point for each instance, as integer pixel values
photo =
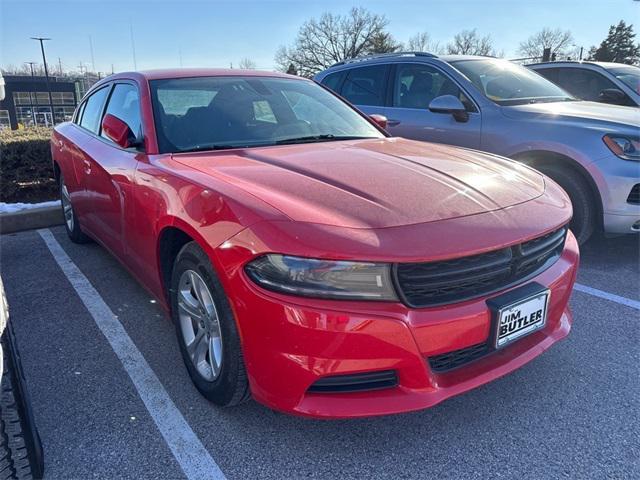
(358, 382)
(457, 358)
(634, 195)
(448, 281)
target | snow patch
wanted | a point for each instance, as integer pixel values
(17, 207)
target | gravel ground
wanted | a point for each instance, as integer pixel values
(571, 413)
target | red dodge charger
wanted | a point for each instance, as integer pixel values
(306, 258)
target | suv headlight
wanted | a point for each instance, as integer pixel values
(627, 148)
(322, 278)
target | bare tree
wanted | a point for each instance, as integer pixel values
(421, 42)
(247, 64)
(557, 40)
(468, 42)
(332, 38)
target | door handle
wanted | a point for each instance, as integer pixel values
(87, 167)
(392, 122)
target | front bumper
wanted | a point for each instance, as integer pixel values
(290, 342)
(615, 178)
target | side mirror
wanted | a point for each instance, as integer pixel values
(611, 95)
(379, 120)
(449, 104)
(118, 131)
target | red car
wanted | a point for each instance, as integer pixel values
(308, 259)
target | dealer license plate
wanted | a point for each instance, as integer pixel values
(521, 318)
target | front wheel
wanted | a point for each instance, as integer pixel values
(71, 223)
(206, 329)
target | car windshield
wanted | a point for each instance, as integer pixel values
(211, 113)
(506, 83)
(630, 76)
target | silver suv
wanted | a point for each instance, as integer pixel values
(591, 149)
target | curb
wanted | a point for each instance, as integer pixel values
(30, 219)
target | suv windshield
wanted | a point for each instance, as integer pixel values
(630, 76)
(506, 83)
(210, 113)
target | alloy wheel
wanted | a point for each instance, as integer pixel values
(200, 325)
(66, 206)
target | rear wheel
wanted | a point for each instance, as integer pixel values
(206, 329)
(71, 223)
(584, 220)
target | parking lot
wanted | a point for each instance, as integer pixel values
(572, 412)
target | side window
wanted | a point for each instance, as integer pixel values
(124, 103)
(583, 83)
(416, 85)
(92, 112)
(79, 113)
(366, 85)
(334, 81)
(550, 74)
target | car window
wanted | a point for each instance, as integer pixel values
(415, 85)
(365, 85)
(124, 103)
(249, 111)
(628, 75)
(79, 114)
(550, 74)
(334, 81)
(506, 83)
(583, 83)
(93, 110)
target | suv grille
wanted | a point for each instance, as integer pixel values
(447, 281)
(634, 195)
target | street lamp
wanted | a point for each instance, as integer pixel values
(33, 85)
(46, 72)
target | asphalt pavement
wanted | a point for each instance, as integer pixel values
(571, 413)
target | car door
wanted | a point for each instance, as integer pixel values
(365, 87)
(413, 87)
(113, 169)
(78, 147)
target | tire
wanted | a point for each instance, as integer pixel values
(16, 458)
(228, 385)
(71, 222)
(583, 222)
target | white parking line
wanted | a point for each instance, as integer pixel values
(194, 459)
(607, 296)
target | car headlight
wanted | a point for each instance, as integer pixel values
(322, 278)
(624, 147)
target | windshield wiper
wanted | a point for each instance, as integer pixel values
(203, 148)
(318, 138)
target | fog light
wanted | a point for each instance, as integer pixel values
(636, 226)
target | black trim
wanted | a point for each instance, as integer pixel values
(634, 195)
(509, 267)
(358, 382)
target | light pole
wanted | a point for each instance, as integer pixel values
(46, 72)
(33, 85)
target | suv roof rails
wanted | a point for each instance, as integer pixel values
(384, 55)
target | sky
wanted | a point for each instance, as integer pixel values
(217, 33)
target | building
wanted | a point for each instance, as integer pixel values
(27, 103)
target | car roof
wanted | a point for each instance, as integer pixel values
(579, 62)
(163, 74)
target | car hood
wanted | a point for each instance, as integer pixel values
(589, 113)
(373, 183)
